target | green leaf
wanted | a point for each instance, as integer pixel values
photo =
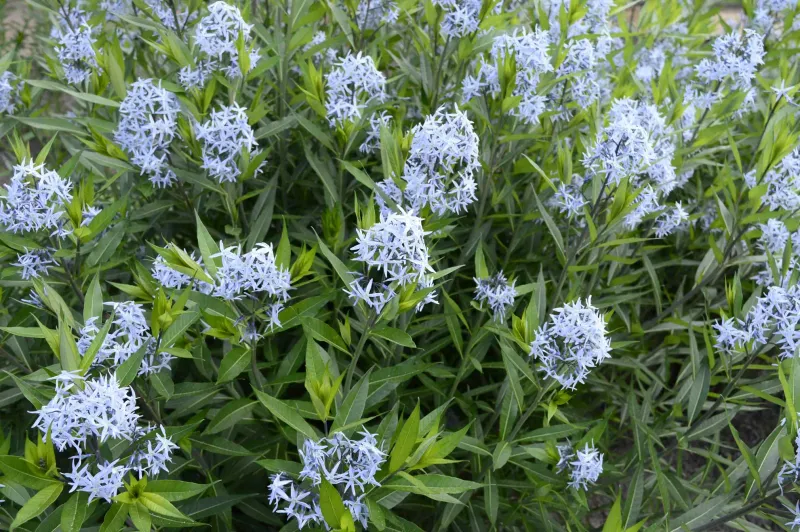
(283, 255)
(114, 519)
(551, 225)
(322, 170)
(106, 246)
(85, 96)
(698, 391)
(234, 363)
(175, 490)
(633, 502)
(406, 439)
(767, 458)
(128, 370)
(162, 383)
(338, 265)
(481, 271)
(178, 328)
(319, 330)
(352, 408)
(51, 124)
(69, 354)
(76, 509)
(208, 247)
(283, 412)
(614, 520)
(93, 306)
(491, 501)
(747, 454)
(393, 335)
(158, 504)
(24, 332)
(331, 504)
(376, 515)
(97, 342)
(19, 470)
(433, 484)
(701, 514)
(38, 504)
(513, 382)
(218, 445)
(140, 516)
(511, 358)
(230, 414)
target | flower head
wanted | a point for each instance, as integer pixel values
(376, 13)
(75, 51)
(532, 59)
(225, 135)
(148, 121)
(774, 318)
(441, 166)
(496, 292)
(585, 465)
(9, 90)
(102, 408)
(34, 263)
(461, 17)
(350, 465)
(736, 58)
(571, 343)
(35, 200)
(216, 36)
(352, 85)
(671, 220)
(395, 246)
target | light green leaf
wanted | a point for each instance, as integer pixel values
(284, 413)
(234, 363)
(230, 414)
(37, 504)
(406, 439)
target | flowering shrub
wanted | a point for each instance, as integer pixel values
(400, 265)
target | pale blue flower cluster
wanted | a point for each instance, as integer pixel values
(461, 17)
(394, 250)
(353, 84)
(774, 240)
(100, 410)
(253, 274)
(75, 47)
(735, 63)
(531, 54)
(584, 72)
(35, 200)
(216, 36)
(671, 220)
(9, 90)
(225, 135)
(497, 293)
(147, 126)
(34, 263)
(571, 343)
(585, 465)
(769, 17)
(773, 319)
(782, 181)
(129, 332)
(376, 13)
(441, 166)
(350, 465)
(169, 278)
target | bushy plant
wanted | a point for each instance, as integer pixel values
(399, 265)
